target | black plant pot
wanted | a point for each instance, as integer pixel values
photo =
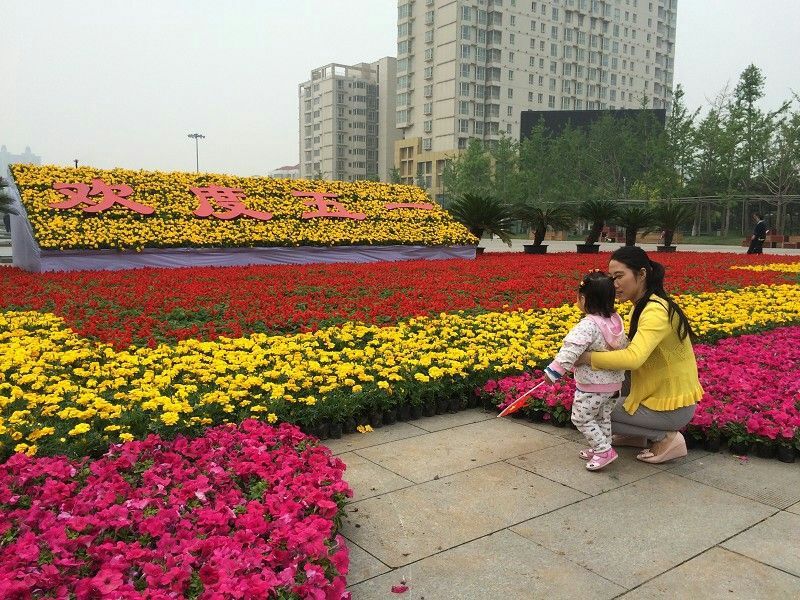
(472, 400)
(518, 415)
(588, 248)
(404, 414)
(349, 425)
(691, 441)
(479, 250)
(454, 405)
(417, 410)
(666, 248)
(785, 454)
(442, 406)
(713, 444)
(489, 405)
(740, 448)
(764, 450)
(390, 416)
(376, 419)
(559, 423)
(429, 409)
(336, 430)
(534, 249)
(536, 416)
(322, 431)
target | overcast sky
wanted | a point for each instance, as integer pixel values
(122, 83)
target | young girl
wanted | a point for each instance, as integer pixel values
(596, 391)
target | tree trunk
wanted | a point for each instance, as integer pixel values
(727, 226)
(698, 219)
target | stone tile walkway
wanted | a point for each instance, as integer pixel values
(468, 506)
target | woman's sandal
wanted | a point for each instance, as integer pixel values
(675, 449)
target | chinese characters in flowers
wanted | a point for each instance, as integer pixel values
(123, 209)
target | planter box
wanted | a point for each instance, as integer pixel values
(532, 249)
(78, 260)
(588, 248)
(666, 248)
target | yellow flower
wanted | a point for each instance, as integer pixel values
(169, 418)
(79, 429)
(364, 428)
(125, 437)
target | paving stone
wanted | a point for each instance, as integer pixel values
(452, 450)
(502, 566)
(363, 565)
(562, 464)
(775, 542)
(719, 573)
(447, 421)
(409, 524)
(767, 481)
(368, 479)
(639, 530)
(795, 508)
(388, 433)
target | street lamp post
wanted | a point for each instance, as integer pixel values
(197, 136)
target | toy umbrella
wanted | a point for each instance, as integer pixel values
(519, 402)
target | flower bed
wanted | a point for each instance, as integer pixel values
(752, 390)
(87, 208)
(240, 512)
(64, 393)
(751, 400)
(151, 306)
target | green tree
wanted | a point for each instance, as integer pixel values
(634, 218)
(680, 146)
(6, 200)
(394, 175)
(483, 214)
(468, 173)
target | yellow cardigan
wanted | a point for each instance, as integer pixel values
(663, 368)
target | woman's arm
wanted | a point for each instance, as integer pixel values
(653, 327)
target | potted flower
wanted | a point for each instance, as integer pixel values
(738, 438)
(670, 215)
(539, 216)
(634, 218)
(596, 211)
(483, 214)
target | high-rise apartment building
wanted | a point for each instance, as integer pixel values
(468, 68)
(347, 115)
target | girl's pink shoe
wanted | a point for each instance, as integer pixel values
(601, 459)
(586, 454)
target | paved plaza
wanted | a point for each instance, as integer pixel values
(470, 506)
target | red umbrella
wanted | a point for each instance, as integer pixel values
(519, 402)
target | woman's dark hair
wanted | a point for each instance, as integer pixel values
(636, 259)
(597, 289)
(758, 214)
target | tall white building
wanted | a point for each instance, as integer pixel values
(468, 68)
(347, 129)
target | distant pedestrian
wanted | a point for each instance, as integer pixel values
(759, 234)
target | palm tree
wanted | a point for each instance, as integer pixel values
(597, 211)
(6, 200)
(541, 215)
(481, 214)
(635, 217)
(669, 216)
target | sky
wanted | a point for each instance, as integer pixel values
(121, 84)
